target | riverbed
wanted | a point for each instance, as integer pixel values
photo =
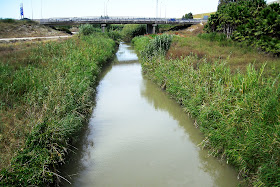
(138, 136)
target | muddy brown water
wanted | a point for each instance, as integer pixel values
(138, 136)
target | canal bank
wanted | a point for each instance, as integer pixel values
(138, 136)
(46, 97)
(237, 111)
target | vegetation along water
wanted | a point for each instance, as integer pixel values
(137, 136)
(46, 96)
(227, 79)
(238, 111)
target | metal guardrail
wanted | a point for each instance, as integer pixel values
(116, 20)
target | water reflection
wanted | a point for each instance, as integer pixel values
(125, 53)
(137, 136)
(222, 174)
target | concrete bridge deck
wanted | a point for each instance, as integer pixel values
(116, 20)
(150, 22)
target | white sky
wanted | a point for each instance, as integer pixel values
(79, 8)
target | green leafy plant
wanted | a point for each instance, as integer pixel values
(88, 29)
(132, 30)
(159, 45)
(250, 21)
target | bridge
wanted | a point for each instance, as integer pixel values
(150, 22)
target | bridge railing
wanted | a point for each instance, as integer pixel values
(123, 20)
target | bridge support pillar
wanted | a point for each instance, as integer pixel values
(103, 27)
(151, 28)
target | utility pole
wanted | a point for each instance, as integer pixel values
(107, 8)
(41, 9)
(157, 10)
(104, 9)
(165, 11)
(32, 8)
(160, 9)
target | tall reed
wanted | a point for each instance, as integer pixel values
(237, 112)
(55, 92)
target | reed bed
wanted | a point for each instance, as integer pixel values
(238, 112)
(46, 97)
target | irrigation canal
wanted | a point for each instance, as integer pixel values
(137, 136)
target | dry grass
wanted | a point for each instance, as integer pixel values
(18, 29)
(193, 30)
(237, 57)
(11, 52)
(13, 126)
(199, 16)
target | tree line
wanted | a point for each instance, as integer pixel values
(250, 21)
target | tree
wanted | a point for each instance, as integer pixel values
(187, 16)
(250, 21)
(224, 2)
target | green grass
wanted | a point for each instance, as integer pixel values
(238, 111)
(45, 99)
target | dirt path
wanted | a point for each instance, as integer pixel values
(32, 38)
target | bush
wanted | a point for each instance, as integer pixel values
(8, 20)
(115, 27)
(253, 22)
(114, 34)
(157, 46)
(88, 29)
(130, 31)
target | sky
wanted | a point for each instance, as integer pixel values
(37, 9)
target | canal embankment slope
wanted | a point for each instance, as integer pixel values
(231, 90)
(10, 28)
(46, 96)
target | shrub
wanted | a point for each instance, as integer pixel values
(88, 29)
(8, 20)
(130, 31)
(157, 46)
(114, 34)
(253, 22)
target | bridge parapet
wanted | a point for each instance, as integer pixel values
(117, 20)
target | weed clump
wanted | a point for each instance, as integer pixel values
(158, 45)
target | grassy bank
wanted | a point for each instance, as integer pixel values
(238, 111)
(216, 47)
(46, 96)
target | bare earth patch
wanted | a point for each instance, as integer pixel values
(25, 29)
